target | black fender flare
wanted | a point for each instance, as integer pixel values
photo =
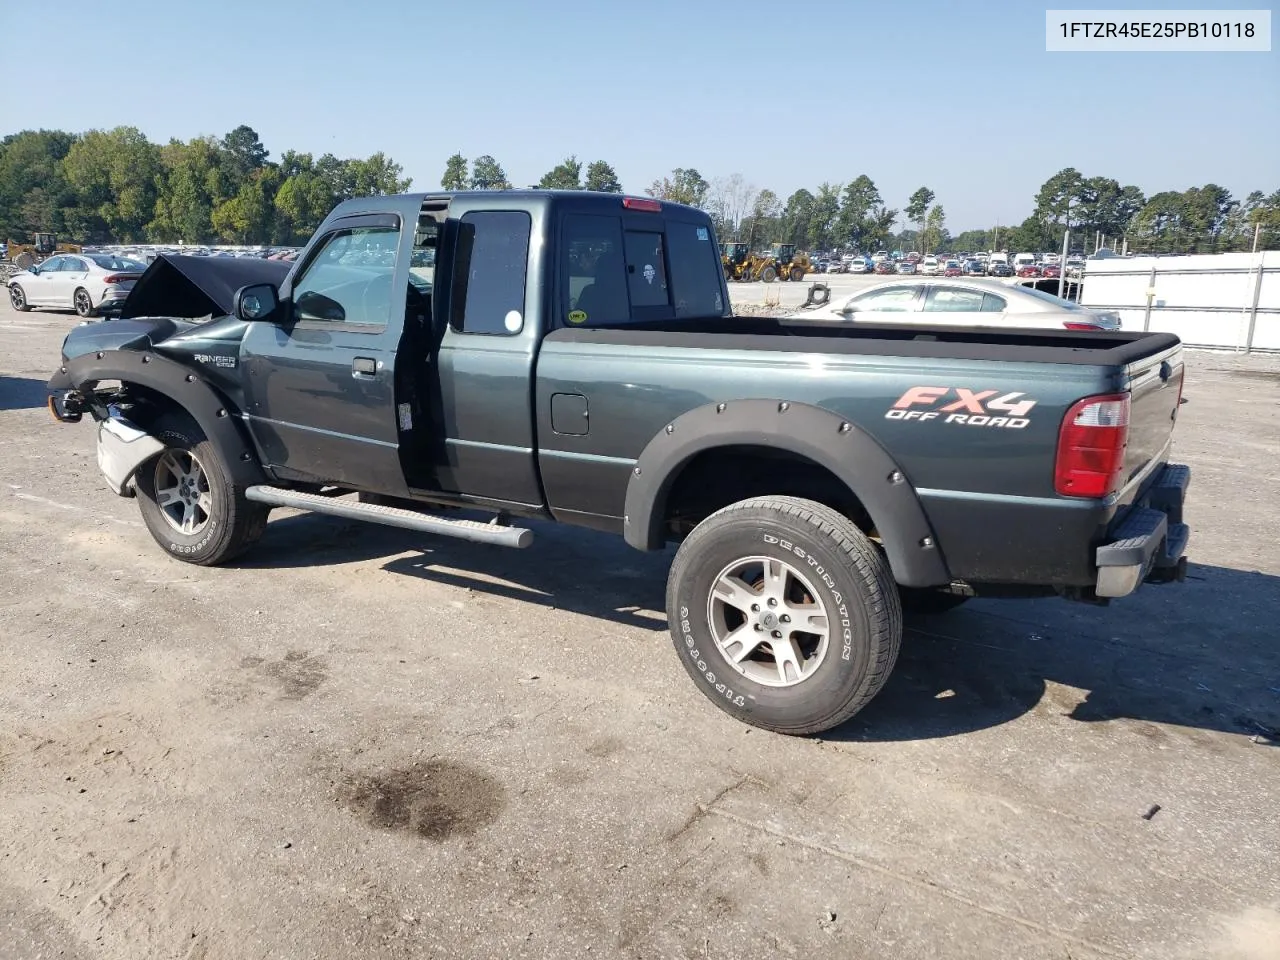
(185, 387)
(817, 434)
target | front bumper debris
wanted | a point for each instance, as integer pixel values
(122, 448)
(67, 406)
(1150, 542)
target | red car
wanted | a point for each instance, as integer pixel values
(1029, 270)
(1051, 270)
(952, 269)
(886, 267)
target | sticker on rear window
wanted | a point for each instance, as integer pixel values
(703, 234)
(577, 316)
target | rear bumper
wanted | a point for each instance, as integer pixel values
(1149, 541)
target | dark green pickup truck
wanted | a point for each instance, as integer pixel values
(574, 357)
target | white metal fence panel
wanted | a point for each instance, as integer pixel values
(1223, 300)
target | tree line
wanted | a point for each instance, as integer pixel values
(118, 186)
(854, 216)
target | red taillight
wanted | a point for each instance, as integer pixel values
(1080, 325)
(1091, 445)
(639, 203)
(118, 278)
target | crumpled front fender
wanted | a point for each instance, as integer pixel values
(122, 448)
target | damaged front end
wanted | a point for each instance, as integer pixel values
(131, 375)
(122, 448)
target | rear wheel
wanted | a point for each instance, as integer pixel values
(18, 298)
(83, 302)
(797, 274)
(784, 613)
(768, 274)
(189, 502)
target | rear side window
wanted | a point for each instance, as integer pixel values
(892, 299)
(954, 300)
(496, 278)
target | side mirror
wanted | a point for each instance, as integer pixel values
(258, 301)
(34, 269)
(316, 306)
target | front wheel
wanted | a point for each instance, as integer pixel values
(83, 302)
(18, 298)
(189, 503)
(784, 613)
(769, 274)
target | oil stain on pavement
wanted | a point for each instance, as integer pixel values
(435, 800)
(296, 675)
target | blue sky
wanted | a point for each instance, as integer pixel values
(961, 97)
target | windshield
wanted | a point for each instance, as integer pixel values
(117, 263)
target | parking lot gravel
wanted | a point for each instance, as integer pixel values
(361, 742)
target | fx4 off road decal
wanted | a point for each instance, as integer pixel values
(970, 408)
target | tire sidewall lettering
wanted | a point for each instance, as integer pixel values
(816, 567)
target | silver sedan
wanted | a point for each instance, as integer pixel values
(84, 282)
(961, 303)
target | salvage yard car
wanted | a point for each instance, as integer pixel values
(573, 357)
(84, 282)
(962, 302)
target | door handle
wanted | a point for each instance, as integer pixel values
(364, 366)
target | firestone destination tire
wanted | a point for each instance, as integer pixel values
(188, 502)
(784, 614)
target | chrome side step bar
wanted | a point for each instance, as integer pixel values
(492, 533)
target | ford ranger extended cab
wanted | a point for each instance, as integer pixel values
(574, 357)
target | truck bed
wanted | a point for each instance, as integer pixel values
(898, 340)
(988, 488)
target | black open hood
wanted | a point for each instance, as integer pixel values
(194, 287)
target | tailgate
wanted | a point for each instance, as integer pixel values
(1155, 386)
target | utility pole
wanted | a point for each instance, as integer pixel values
(1062, 267)
(1257, 232)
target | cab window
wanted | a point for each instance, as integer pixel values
(646, 269)
(613, 274)
(498, 259)
(594, 272)
(695, 270)
(348, 281)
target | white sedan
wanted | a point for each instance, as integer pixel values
(962, 303)
(84, 282)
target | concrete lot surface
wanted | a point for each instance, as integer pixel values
(792, 295)
(359, 742)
